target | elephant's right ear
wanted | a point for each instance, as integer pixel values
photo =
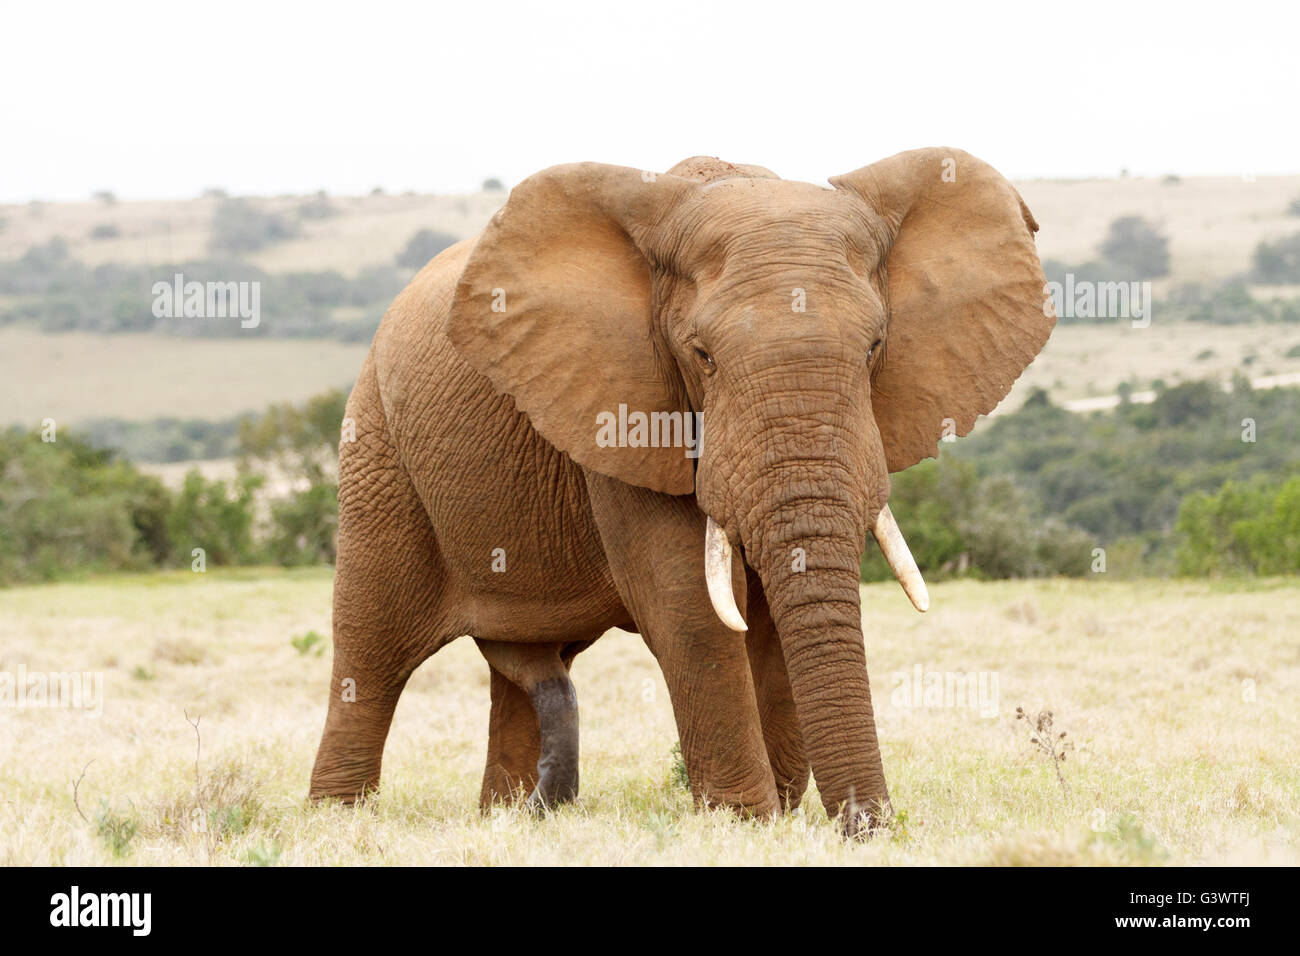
(554, 308)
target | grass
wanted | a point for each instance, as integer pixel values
(1084, 361)
(76, 376)
(1179, 698)
(1214, 223)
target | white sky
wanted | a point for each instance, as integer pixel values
(161, 100)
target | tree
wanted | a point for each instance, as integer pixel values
(422, 247)
(1135, 246)
(239, 226)
(1278, 261)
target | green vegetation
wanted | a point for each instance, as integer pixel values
(1136, 248)
(1250, 528)
(165, 439)
(238, 225)
(1200, 481)
(1133, 250)
(1279, 261)
(422, 247)
(57, 293)
(67, 507)
(1134, 481)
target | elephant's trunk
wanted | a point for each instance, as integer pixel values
(810, 576)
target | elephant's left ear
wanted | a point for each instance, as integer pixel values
(965, 291)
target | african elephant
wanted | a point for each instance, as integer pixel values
(503, 482)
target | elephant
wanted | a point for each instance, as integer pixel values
(670, 403)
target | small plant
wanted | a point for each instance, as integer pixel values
(142, 673)
(422, 247)
(1044, 739)
(664, 827)
(896, 822)
(1129, 836)
(179, 651)
(264, 854)
(115, 830)
(305, 643)
(678, 777)
(230, 821)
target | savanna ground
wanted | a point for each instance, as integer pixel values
(76, 376)
(1179, 698)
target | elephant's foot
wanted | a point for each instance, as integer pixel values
(863, 820)
(555, 702)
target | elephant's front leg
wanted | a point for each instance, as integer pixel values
(533, 729)
(655, 547)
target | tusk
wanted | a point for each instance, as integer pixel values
(717, 572)
(900, 559)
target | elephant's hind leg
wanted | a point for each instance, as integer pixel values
(389, 592)
(533, 732)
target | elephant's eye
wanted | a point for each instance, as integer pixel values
(872, 351)
(709, 366)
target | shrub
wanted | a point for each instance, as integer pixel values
(66, 506)
(239, 226)
(303, 526)
(1279, 261)
(422, 247)
(316, 207)
(956, 523)
(1243, 528)
(1135, 246)
(218, 519)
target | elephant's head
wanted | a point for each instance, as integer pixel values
(828, 337)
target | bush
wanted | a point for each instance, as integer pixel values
(219, 520)
(239, 226)
(65, 506)
(1136, 247)
(1243, 528)
(1279, 261)
(422, 247)
(957, 523)
(304, 525)
(316, 207)
(105, 230)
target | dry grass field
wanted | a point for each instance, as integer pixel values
(75, 376)
(1213, 222)
(1179, 698)
(365, 231)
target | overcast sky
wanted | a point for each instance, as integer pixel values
(162, 100)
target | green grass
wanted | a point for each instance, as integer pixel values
(1179, 698)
